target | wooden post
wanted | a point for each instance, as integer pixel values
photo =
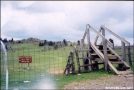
(82, 42)
(123, 51)
(129, 56)
(73, 66)
(88, 41)
(105, 49)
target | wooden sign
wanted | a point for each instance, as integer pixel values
(25, 59)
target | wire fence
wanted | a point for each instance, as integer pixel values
(45, 62)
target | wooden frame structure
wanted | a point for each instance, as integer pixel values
(96, 53)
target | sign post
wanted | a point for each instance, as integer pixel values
(25, 59)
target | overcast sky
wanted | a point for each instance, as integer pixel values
(58, 20)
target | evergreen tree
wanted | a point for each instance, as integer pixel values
(65, 42)
(40, 44)
(45, 42)
(50, 43)
(78, 42)
(12, 40)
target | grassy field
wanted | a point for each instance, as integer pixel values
(43, 62)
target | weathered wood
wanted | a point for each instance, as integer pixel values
(101, 36)
(105, 50)
(84, 35)
(89, 55)
(82, 43)
(98, 59)
(70, 64)
(117, 62)
(97, 51)
(123, 51)
(123, 40)
(129, 56)
(73, 66)
(95, 42)
(78, 63)
(112, 57)
(112, 67)
(118, 56)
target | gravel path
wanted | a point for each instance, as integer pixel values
(111, 81)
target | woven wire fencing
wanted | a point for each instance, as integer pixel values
(46, 61)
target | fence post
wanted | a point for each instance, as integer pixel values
(81, 45)
(123, 50)
(88, 41)
(105, 50)
(129, 56)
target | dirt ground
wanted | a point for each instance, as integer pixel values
(55, 71)
(110, 82)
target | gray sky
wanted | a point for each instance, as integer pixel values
(58, 20)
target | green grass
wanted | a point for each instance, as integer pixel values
(42, 62)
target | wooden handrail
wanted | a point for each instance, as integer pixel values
(97, 36)
(122, 39)
(84, 34)
(100, 35)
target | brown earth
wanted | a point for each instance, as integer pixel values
(112, 81)
(55, 71)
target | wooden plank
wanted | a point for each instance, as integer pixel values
(123, 51)
(129, 56)
(84, 34)
(98, 59)
(82, 43)
(105, 50)
(118, 56)
(117, 62)
(89, 55)
(113, 68)
(78, 63)
(123, 40)
(112, 57)
(95, 42)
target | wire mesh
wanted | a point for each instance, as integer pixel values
(45, 62)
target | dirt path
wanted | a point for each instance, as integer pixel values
(111, 81)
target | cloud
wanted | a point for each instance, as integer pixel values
(58, 20)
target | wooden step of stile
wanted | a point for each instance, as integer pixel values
(108, 51)
(117, 62)
(112, 57)
(98, 59)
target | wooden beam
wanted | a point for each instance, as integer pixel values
(84, 34)
(123, 51)
(105, 50)
(89, 54)
(81, 45)
(129, 56)
(95, 42)
(123, 40)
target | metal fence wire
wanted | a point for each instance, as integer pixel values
(45, 62)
